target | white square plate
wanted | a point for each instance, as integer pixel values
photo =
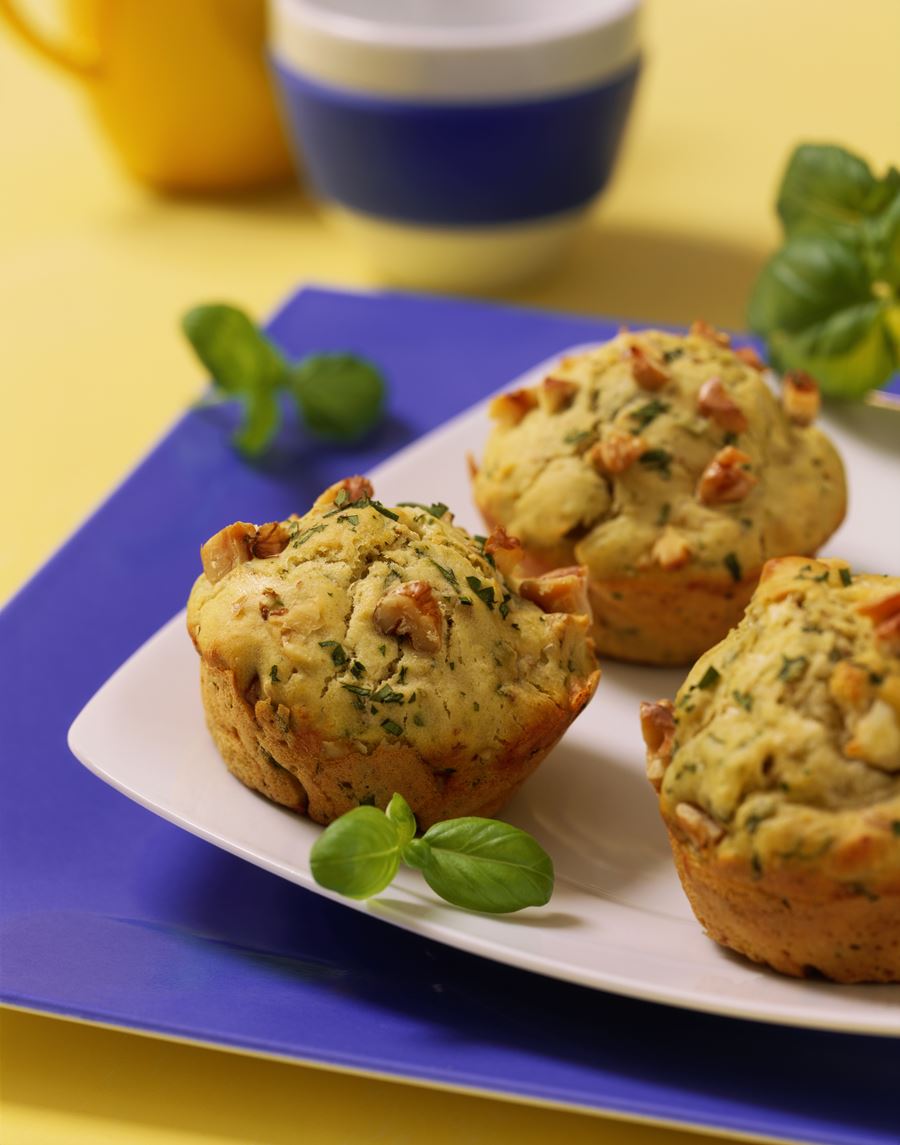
(618, 920)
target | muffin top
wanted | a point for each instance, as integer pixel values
(785, 747)
(662, 451)
(380, 622)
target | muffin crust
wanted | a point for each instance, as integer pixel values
(665, 465)
(380, 650)
(778, 770)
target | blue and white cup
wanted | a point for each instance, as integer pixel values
(458, 142)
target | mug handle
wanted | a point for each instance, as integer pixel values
(82, 67)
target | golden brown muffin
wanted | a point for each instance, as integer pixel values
(665, 465)
(360, 650)
(778, 772)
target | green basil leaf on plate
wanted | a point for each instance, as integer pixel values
(483, 864)
(400, 814)
(358, 854)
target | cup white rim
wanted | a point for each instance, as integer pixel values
(564, 48)
(556, 22)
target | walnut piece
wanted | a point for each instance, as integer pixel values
(703, 830)
(670, 550)
(702, 329)
(800, 397)
(562, 590)
(270, 539)
(658, 730)
(509, 409)
(750, 358)
(649, 375)
(557, 394)
(726, 478)
(849, 685)
(616, 452)
(411, 610)
(507, 551)
(716, 403)
(885, 615)
(227, 549)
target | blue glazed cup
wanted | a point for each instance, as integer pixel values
(458, 142)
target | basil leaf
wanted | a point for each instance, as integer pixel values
(358, 854)
(400, 814)
(819, 310)
(827, 190)
(483, 864)
(236, 353)
(883, 246)
(340, 396)
(260, 422)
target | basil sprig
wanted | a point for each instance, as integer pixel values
(338, 396)
(829, 300)
(479, 864)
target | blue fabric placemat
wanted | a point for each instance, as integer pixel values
(111, 914)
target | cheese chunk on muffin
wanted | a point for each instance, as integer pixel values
(778, 772)
(666, 466)
(361, 650)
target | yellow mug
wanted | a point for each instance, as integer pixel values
(180, 87)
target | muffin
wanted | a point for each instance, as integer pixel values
(778, 772)
(359, 650)
(667, 467)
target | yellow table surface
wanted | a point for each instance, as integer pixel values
(94, 272)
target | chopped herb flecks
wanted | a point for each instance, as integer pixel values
(659, 459)
(447, 573)
(665, 513)
(390, 726)
(709, 679)
(273, 674)
(744, 699)
(846, 577)
(733, 565)
(360, 503)
(387, 695)
(646, 413)
(438, 509)
(338, 655)
(306, 534)
(358, 669)
(484, 592)
(792, 668)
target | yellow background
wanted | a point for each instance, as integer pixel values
(94, 272)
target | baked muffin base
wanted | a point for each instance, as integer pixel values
(801, 924)
(268, 749)
(651, 619)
